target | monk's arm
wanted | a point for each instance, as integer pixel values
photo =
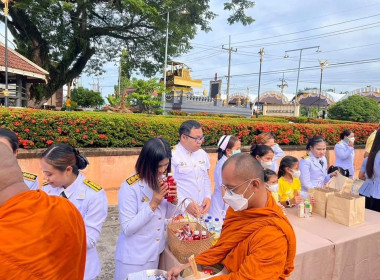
(267, 257)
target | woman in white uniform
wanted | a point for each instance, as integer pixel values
(313, 166)
(60, 164)
(10, 139)
(143, 210)
(344, 152)
(228, 145)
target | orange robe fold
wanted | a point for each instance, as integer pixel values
(42, 237)
(254, 244)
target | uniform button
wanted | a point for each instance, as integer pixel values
(199, 190)
(157, 239)
(158, 229)
(195, 165)
(197, 178)
(159, 218)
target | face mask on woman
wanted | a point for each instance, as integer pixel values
(266, 164)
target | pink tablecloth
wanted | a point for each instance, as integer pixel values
(357, 248)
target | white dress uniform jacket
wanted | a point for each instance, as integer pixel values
(345, 155)
(91, 201)
(278, 154)
(31, 180)
(190, 170)
(313, 173)
(217, 203)
(142, 235)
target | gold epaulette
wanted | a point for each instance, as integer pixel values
(306, 156)
(45, 183)
(92, 185)
(133, 179)
(174, 147)
(29, 176)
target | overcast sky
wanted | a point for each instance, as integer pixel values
(346, 31)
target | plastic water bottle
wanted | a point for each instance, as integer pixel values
(217, 228)
(210, 224)
(307, 208)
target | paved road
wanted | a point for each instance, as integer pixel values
(107, 244)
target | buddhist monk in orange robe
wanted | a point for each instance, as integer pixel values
(257, 240)
(41, 236)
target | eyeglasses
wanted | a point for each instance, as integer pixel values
(197, 139)
(230, 189)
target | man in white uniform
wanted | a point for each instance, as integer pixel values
(190, 166)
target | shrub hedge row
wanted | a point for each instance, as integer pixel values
(39, 129)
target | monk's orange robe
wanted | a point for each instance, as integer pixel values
(41, 237)
(254, 244)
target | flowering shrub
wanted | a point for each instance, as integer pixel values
(39, 129)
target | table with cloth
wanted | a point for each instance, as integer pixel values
(327, 250)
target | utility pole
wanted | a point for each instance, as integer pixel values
(230, 50)
(119, 77)
(283, 85)
(261, 53)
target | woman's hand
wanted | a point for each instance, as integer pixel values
(175, 271)
(158, 195)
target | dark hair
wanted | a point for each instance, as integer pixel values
(246, 167)
(344, 172)
(372, 154)
(345, 133)
(262, 138)
(154, 150)
(287, 161)
(230, 144)
(260, 150)
(11, 137)
(187, 126)
(61, 155)
(314, 141)
(268, 173)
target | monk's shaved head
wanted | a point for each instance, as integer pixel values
(10, 171)
(246, 166)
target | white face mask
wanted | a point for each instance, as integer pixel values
(352, 139)
(272, 188)
(295, 173)
(266, 164)
(234, 152)
(237, 201)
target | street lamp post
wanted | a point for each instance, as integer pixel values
(323, 65)
(261, 53)
(6, 92)
(299, 67)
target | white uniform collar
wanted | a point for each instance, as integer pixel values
(181, 147)
(73, 187)
(312, 155)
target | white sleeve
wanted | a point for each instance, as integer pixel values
(131, 218)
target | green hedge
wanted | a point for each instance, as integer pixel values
(39, 129)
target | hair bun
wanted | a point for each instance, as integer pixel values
(81, 159)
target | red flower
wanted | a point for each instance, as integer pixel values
(286, 141)
(27, 130)
(84, 136)
(102, 136)
(133, 142)
(49, 142)
(77, 130)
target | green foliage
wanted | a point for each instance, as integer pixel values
(355, 108)
(65, 37)
(113, 100)
(40, 128)
(87, 98)
(143, 98)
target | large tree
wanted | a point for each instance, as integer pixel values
(64, 37)
(87, 98)
(355, 108)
